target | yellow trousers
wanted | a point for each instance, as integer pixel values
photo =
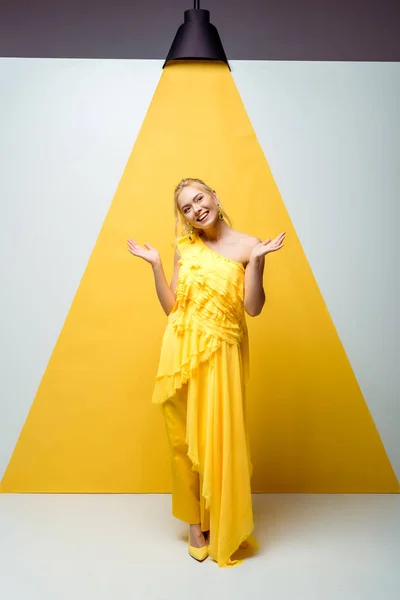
(187, 503)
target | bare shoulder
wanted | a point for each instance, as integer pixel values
(245, 241)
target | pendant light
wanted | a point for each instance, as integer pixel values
(197, 38)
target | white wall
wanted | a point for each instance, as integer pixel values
(330, 132)
(331, 135)
(67, 129)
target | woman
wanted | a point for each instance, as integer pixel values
(203, 368)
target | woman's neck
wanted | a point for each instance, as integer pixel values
(215, 233)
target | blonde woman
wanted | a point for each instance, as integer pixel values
(203, 368)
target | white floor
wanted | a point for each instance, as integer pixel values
(129, 546)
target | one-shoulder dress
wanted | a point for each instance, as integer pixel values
(206, 337)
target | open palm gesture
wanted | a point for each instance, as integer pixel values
(147, 252)
(267, 246)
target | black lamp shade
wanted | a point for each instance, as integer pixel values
(197, 39)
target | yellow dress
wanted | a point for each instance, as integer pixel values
(207, 332)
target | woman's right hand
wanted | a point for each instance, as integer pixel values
(148, 253)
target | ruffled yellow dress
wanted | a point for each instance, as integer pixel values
(206, 344)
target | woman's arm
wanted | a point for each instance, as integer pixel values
(166, 293)
(254, 294)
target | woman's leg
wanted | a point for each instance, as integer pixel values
(185, 481)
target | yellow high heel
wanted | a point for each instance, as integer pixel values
(199, 554)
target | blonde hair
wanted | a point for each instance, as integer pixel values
(179, 217)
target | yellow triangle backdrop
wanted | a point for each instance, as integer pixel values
(91, 427)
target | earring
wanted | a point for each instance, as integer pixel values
(190, 232)
(220, 215)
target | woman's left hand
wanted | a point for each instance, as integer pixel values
(267, 246)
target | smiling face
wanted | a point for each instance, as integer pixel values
(199, 208)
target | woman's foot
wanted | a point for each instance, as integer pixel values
(198, 548)
(196, 536)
